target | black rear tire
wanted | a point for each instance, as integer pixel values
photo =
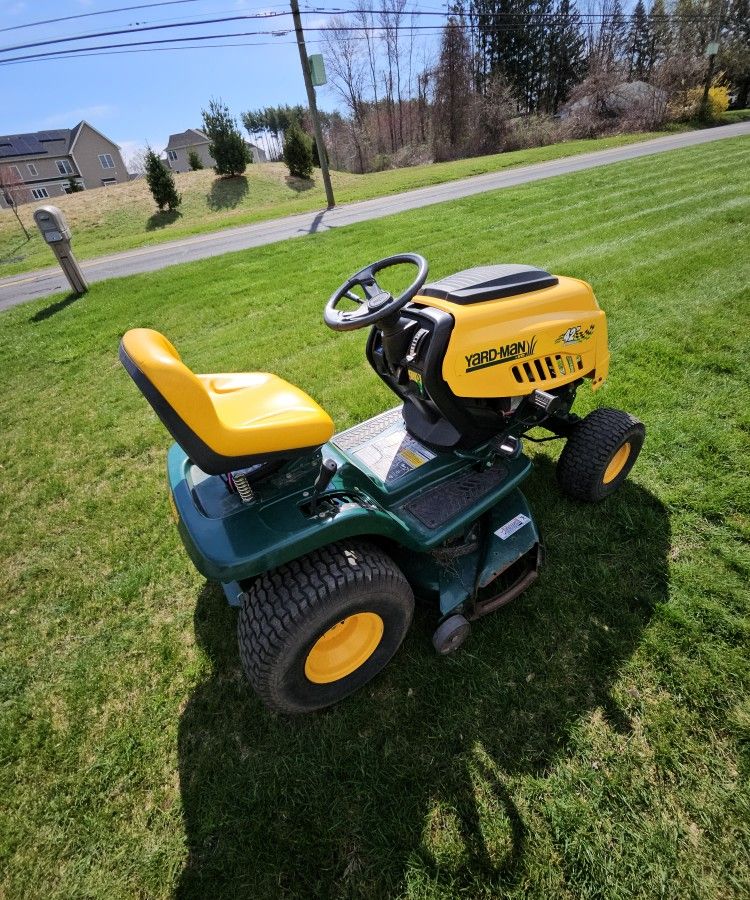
(599, 454)
(289, 610)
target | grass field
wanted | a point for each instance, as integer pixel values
(123, 217)
(731, 116)
(592, 740)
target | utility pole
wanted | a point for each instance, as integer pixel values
(311, 102)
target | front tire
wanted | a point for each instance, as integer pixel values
(599, 454)
(451, 634)
(315, 630)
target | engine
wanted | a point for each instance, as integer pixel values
(491, 350)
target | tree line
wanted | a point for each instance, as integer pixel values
(504, 70)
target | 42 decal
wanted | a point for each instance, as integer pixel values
(575, 335)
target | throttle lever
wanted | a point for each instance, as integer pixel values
(328, 469)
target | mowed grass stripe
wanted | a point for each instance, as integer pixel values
(588, 186)
(550, 216)
(590, 741)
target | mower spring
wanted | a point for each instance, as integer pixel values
(242, 486)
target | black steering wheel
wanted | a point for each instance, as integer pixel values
(377, 304)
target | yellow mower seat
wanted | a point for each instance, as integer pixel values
(223, 422)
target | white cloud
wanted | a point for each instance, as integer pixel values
(129, 147)
(72, 117)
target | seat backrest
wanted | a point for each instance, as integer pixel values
(176, 394)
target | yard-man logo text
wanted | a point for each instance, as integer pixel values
(496, 355)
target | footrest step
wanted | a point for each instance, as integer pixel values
(441, 503)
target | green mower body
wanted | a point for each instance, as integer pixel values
(454, 522)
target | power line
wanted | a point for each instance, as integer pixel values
(51, 54)
(591, 18)
(71, 54)
(517, 18)
(117, 9)
(140, 28)
(99, 12)
(68, 53)
(175, 21)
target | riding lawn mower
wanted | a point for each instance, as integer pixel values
(322, 540)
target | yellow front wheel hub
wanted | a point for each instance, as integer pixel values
(344, 648)
(617, 463)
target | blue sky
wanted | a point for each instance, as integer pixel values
(143, 97)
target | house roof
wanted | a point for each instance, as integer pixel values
(37, 143)
(188, 138)
(58, 142)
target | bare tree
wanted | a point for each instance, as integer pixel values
(451, 111)
(391, 16)
(136, 162)
(364, 18)
(424, 78)
(346, 70)
(410, 80)
(14, 191)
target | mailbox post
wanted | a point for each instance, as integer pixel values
(51, 223)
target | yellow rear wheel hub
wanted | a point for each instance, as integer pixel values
(617, 463)
(344, 648)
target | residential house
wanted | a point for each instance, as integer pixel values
(39, 166)
(179, 146)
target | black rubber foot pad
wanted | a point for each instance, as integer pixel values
(440, 504)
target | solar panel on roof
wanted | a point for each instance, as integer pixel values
(31, 144)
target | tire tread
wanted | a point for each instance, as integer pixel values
(589, 448)
(279, 601)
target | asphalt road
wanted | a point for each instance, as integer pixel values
(42, 283)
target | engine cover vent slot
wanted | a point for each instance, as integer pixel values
(547, 368)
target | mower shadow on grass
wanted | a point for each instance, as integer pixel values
(415, 779)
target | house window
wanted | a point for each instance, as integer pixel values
(39, 193)
(106, 161)
(172, 155)
(15, 172)
(107, 181)
(64, 167)
(32, 169)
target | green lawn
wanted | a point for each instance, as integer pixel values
(732, 116)
(124, 217)
(592, 740)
